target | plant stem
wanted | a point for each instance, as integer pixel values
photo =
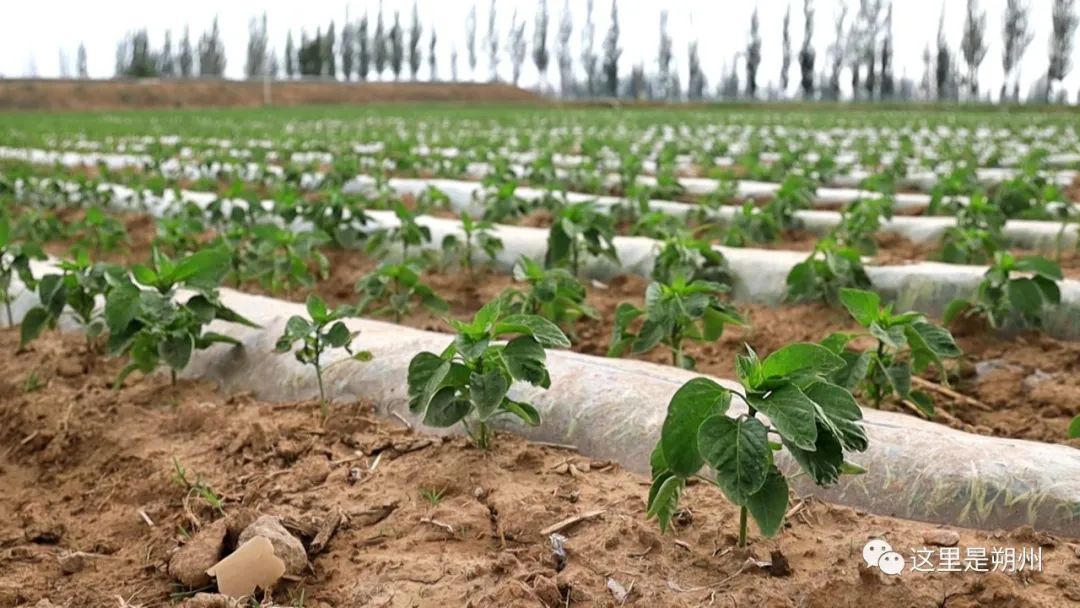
(742, 527)
(172, 376)
(323, 407)
(10, 319)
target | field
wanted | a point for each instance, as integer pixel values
(540, 356)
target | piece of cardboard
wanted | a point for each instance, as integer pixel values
(252, 565)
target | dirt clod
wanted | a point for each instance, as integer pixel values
(941, 537)
(286, 546)
(190, 563)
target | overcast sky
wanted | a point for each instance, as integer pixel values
(33, 34)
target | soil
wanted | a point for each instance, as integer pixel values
(37, 95)
(1023, 386)
(94, 509)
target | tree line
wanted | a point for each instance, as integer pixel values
(862, 52)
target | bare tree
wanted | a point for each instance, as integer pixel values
(187, 55)
(363, 55)
(663, 58)
(837, 52)
(416, 32)
(470, 39)
(807, 53)
(348, 47)
(695, 86)
(258, 46)
(785, 57)
(80, 62)
(566, 65)
(973, 44)
(612, 52)
(397, 47)
(540, 55)
(166, 60)
(380, 45)
(453, 64)
(753, 56)
(927, 86)
(589, 57)
(1061, 41)
(493, 44)
(433, 67)
(1016, 34)
(515, 45)
(943, 69)
(887, 79)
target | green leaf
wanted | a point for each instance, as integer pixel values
(924, 402)
(1025, 296)
(362, 355)
(864, 306)
(446, 409)
(176, 350)
(823, 463)
(204, 268)
(1049, 288)
(487, 392)
(121, 306)
(423, 368)
(838, 411)
(144, 275)
(316, 309)
(525, 359)
(899, 375)
(1074, 428)
(1038, 265)
(849, 468)
(546, 333)
(838, 341)
(664, 498)
(338, 336)
(33, 323)
(738, 450)
(769, 504)
(795, 359)
(855, 367)
(790, 411)
(695, 401)
(954, 310)
(526, 412)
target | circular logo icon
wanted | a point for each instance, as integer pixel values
(873, 551)
(891, 563)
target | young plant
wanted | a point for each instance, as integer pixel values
(149, 326)
(815, 420)
(99, 232)
(477, 235)
(15, 261)
(859, 221)
(554, 294)
(906, 343)
(393, 287)
(408, 233)
(576, 229)
(684, 255)
(829, 268)
(751, 224)
(76, 289)
(469, 381)
(321, 331)
(281, 260)
(976, 235)
(674, 313)
(1000, 295)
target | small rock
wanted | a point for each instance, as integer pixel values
(190, 563)
(286, 546)
(1028, 534)
(44, 603)
(69, 368)
(941, 537)
(547, 591)
(72, 563)
(208, 600)
(780, 565)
